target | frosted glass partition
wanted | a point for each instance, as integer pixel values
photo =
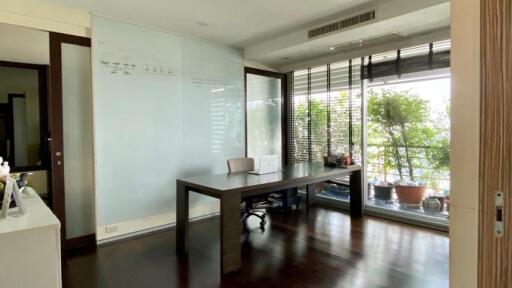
(213, 109)
(263, 116)
(165, 107)
(78, 140)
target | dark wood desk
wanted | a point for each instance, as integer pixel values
(231, 188)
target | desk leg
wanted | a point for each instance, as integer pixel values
(181, 218)
(310, 194)
(230, 232)
(356, 195)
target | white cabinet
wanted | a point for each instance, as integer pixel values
(30, 247)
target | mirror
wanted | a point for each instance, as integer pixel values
(22, 123)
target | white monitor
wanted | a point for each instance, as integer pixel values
(267, 164)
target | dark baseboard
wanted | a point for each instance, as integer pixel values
(80, 242)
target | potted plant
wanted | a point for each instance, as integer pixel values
(383, 190)
(400, 117)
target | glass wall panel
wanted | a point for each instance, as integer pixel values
(78, 140)
(263, 116)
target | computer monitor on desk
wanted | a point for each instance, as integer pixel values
(267, 164)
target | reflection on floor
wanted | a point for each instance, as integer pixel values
(334, 195)
(322, 248)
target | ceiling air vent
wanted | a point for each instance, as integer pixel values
(342, 24)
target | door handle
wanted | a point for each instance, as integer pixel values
(498, 216)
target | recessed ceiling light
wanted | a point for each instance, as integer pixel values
(201, 23)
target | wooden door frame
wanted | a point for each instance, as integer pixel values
(494, 255)
(284, 126)
(57, 135)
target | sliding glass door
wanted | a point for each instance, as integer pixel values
(264, 96)
(407, 127)
(388, 112)
(408, 130)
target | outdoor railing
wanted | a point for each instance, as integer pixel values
(436, 179)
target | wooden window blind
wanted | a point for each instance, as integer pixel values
(324, 104)
(409, 60)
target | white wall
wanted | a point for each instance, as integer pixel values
(24, 45)
(464, 166)
(46, 17)
(177, 112)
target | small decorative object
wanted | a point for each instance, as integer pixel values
(22, 181)
(10, 190)
(4, 169)
(431, 205)
(338, 160)
(440, 197)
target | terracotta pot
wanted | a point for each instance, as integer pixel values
(383, 192)
(410, 195)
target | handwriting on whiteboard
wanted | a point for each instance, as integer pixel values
(118, 67)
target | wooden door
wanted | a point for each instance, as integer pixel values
(72, 176)
(495, 247)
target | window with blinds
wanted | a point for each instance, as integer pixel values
(324, 103)
(409, 60)
(325, 111)
(298, 112)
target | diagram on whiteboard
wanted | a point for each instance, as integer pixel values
(130, 62)
(161, 70)
(118, 67)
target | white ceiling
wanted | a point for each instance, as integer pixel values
(273, 32)
(238, 23)
(411, 22)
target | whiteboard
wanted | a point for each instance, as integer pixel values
(165, 106)
(213, 109)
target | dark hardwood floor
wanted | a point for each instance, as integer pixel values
(324, 248)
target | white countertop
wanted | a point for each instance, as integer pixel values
(38, 215)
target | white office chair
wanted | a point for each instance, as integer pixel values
(244, 165)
